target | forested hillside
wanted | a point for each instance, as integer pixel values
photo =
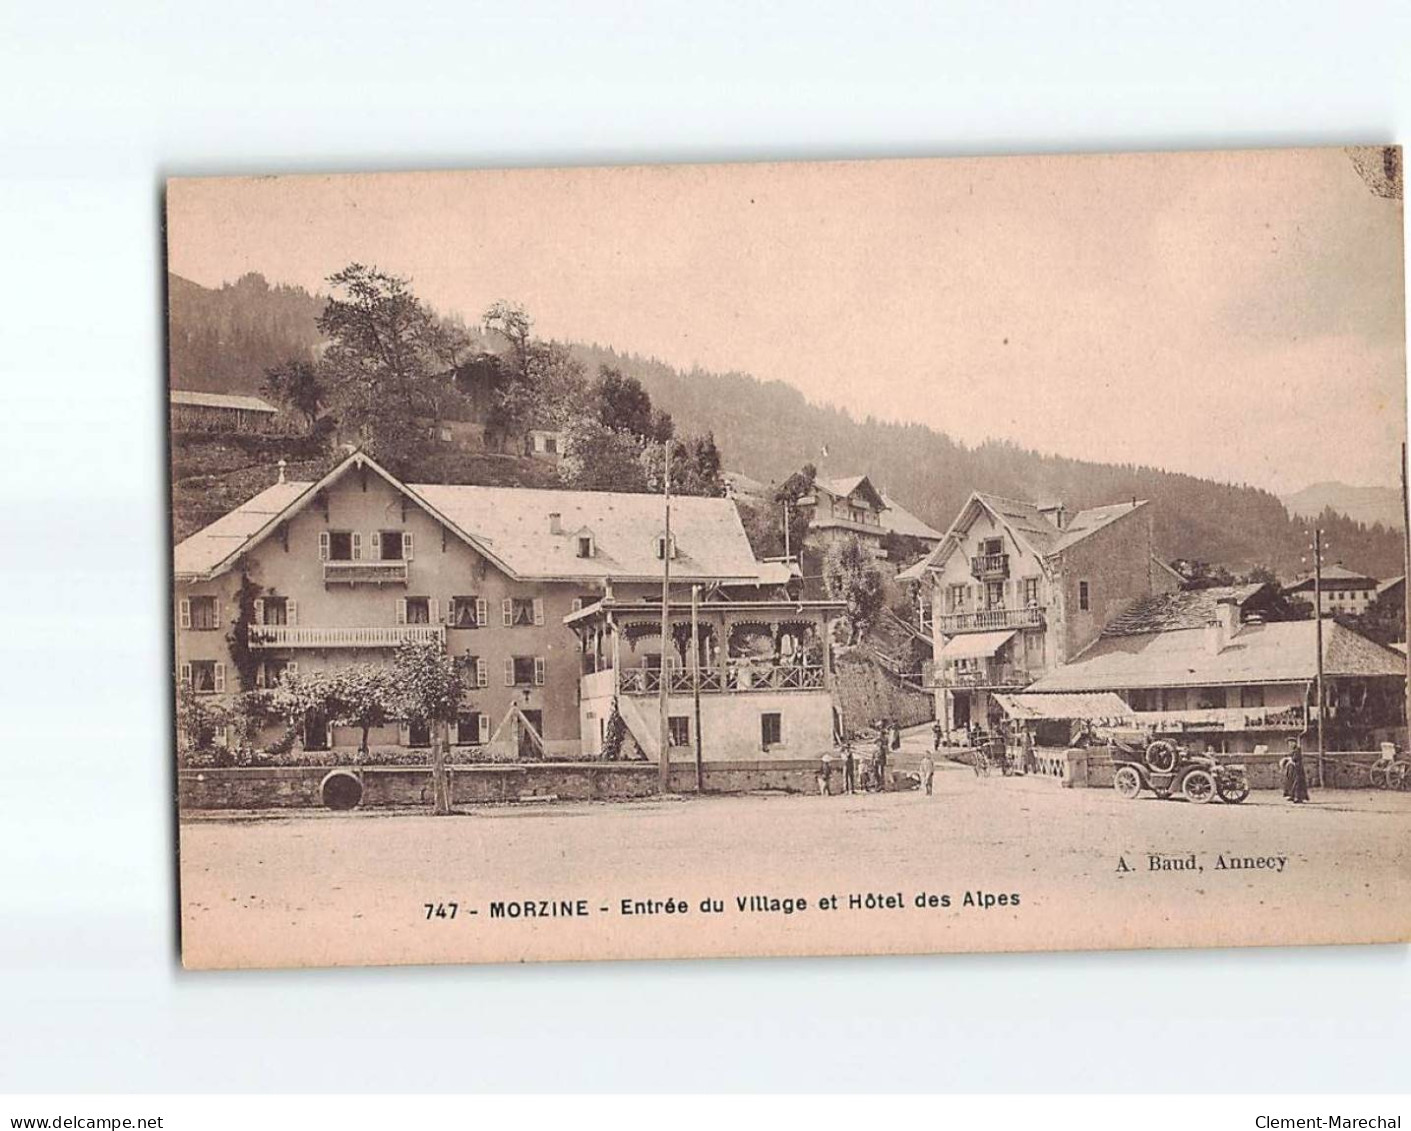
(224, 340)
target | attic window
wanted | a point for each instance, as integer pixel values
(661, 546)
(585, 545)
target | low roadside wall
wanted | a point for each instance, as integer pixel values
(297, 787)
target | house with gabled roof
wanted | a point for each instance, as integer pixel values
(193, 411)
(1343, 590)
(347, 568)
(1205, 665)
(843, 508)
(1014, 589)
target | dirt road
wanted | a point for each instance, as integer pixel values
(1077, 869)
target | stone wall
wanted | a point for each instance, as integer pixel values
(383, 786)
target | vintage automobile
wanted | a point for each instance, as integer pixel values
(1168, 769)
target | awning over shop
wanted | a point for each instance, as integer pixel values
(1104, 706)
(975, 645)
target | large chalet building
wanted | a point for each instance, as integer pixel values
(1015, 589)
(347, 568)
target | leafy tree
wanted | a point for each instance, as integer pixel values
(623, 405)
(385, 349)
(295, 385)
(598, 458)
(797, 486)
(1384, 619)
(546, 386)
(364, 696)
(197, 719)
(695, 466)
(428, 686)
(851, 574)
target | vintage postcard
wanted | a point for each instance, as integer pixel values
(790, 559)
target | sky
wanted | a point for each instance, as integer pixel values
(1235, 315)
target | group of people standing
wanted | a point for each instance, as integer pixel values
(869, 773)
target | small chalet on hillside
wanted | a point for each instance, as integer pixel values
(1014, 589)
(220, 412)
(850, 507)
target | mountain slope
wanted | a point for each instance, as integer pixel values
(1363, 504)
(223, 339)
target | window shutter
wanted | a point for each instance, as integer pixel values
(577, 605)
(484, 721)
(377, 545)
(509, 671)
(482, 672)
(538, 671)
(507, 611)
(185, 675)
(482, 611)
(401, 610)
(291, 611)
(323, 545)
(261, 677)
(183, 612)
(456, 739)
(538, 610)
(407, 545)
(404, 733)
(357, 546)
(220, 675)
(434, 611)
(291, 668)
(259, 610)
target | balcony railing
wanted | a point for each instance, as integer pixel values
(372, 636)
(987, 620)
(983, 677)
(773, 677)
(364, 573)
(989, 567)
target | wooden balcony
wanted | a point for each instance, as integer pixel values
(984, 677)
(765, 677)
(989, 567)
(364, 573)
(988, 620)
(371, 636)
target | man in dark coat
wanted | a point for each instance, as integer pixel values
(882, 758)
(849, 770)
(1297, 787)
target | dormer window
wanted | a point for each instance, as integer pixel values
(661, 547)
(584, 544)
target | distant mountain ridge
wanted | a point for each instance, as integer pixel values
(222, 340)
(1362, 504)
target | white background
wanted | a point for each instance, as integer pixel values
(100, 101)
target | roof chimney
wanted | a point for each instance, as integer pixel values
(1056, 513)
(1222, 629)
(555, 522)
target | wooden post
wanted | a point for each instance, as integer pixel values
(664, 763)
(696, 682)
(1406, 574)
(1318, 618)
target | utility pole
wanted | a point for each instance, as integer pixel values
(696, 682)
(664, 763)
(786, 530)
(1318, 617)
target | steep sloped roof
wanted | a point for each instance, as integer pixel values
(1027, 523)
(1185, 608)
(899, 520)
(1335, 575)
(846, 485)
(210, 546)
(510, 525)
(221, 400)
(513, 523)
(1278, 652)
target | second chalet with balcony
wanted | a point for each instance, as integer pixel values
(1014, 589)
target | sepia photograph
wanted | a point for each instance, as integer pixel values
(868, 557)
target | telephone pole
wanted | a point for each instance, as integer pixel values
(696, 682)
(664, 763)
